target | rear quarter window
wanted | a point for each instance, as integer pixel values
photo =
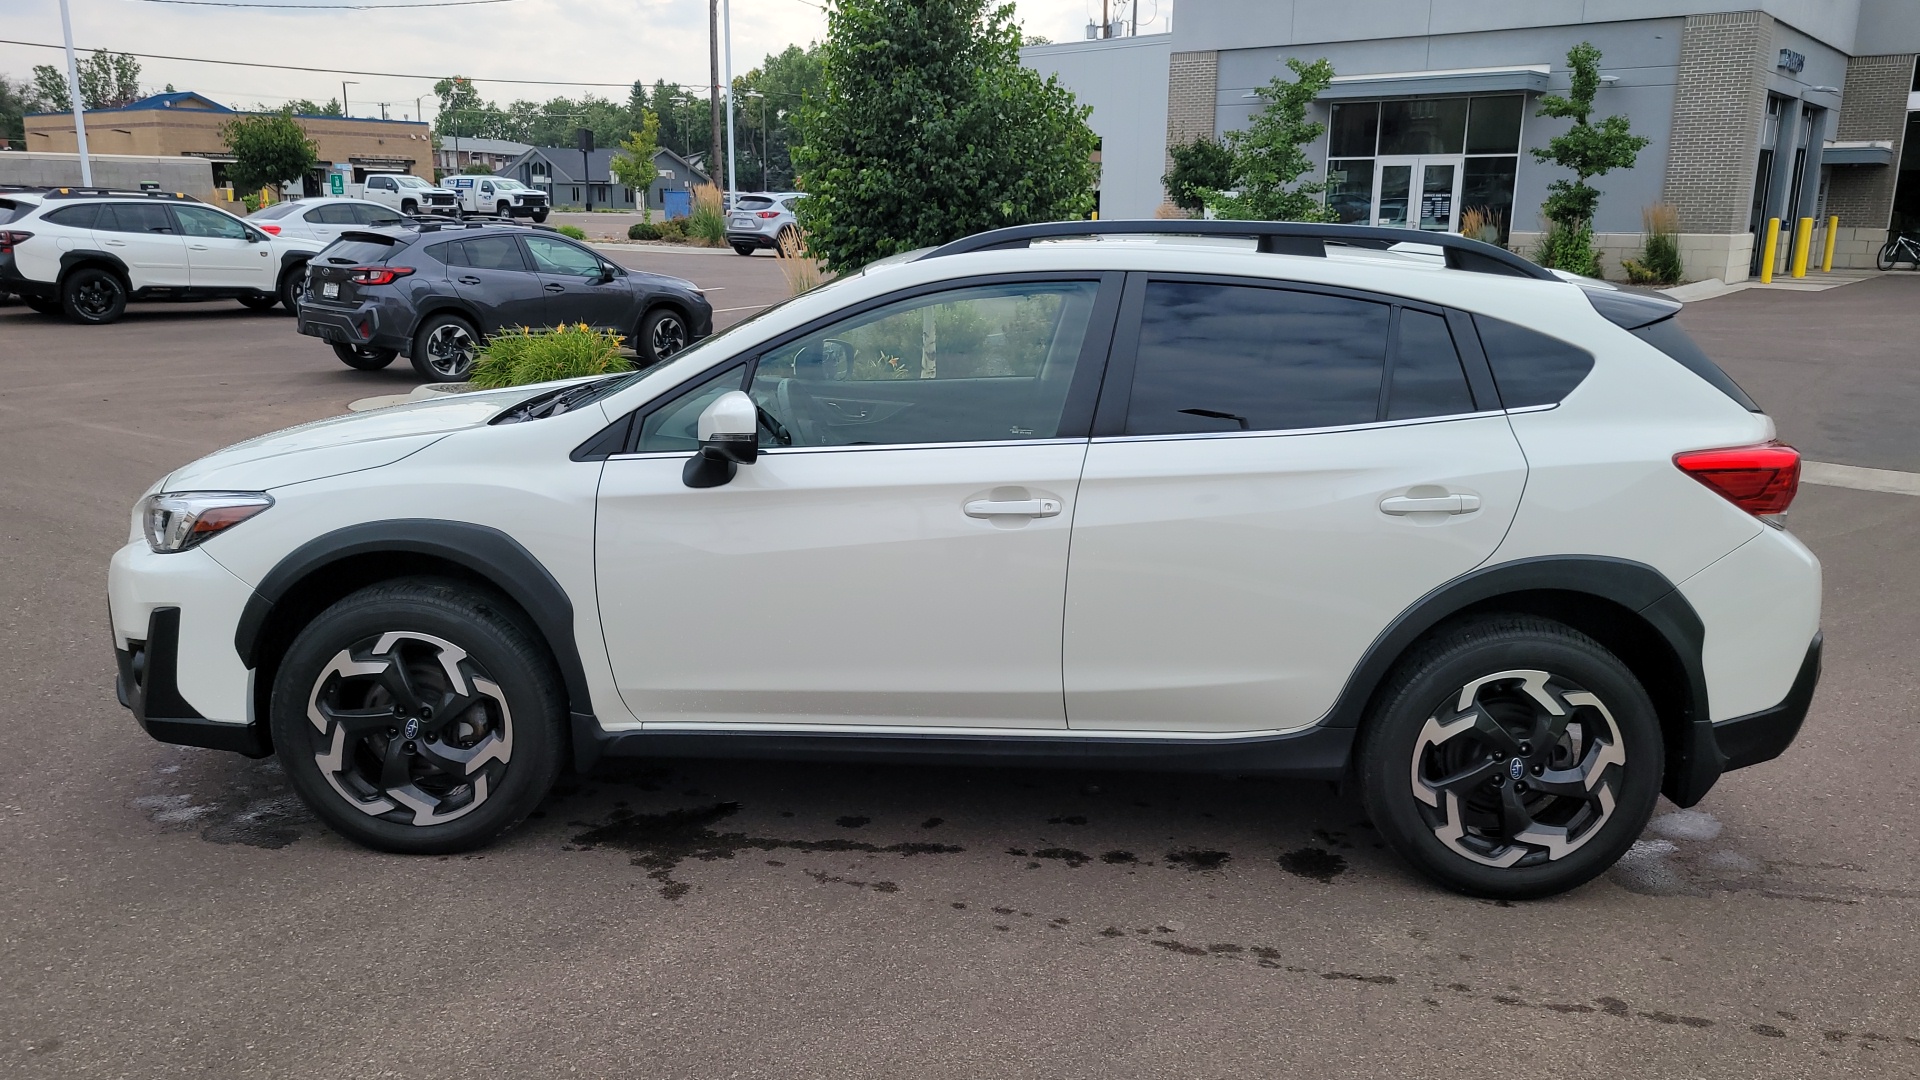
(1530, 368)
(83, 216)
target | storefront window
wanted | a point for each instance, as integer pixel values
(1432, 126)
(1480, 136)
(1350, 190)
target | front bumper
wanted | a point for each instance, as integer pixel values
(148, 684)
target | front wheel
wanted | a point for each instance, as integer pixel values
(417, 716)
(444, 349)
(1512, 757)
(363, 357)
(539, 216)
(662, 333)
(409, 207)
(1885, 259)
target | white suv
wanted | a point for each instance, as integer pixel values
(88, 252)
(1401, 510)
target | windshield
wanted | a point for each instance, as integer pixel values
(410, 182)
(505, 184)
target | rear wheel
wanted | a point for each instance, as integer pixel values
(743, 249)
(539, 216)
(444, 348)
(93, 296)
(1512, 757)
(1885, 259)
(262, 302)
(291, 283)
(418, 716)
(363, 357)
(662, 333)
(42, 305)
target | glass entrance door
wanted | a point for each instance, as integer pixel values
(1417, 192)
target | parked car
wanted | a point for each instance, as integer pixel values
(762, 221)
(408, 194)
(87, 252)
(501, 196)
(323, 219)
(435, 292)
(1502, 552)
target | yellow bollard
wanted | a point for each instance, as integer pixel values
(1772, 249)
(1826, 256)
(1802, 239)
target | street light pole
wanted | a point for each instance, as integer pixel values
(726, 17)
(79, 107)
(344, 83)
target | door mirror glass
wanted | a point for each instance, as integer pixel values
(728, 432)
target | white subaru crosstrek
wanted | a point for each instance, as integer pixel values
(1502, 551)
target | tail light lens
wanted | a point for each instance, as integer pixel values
(378, 275)
(9, 238)
(769, 213)
(1758, 479)
(273, 229)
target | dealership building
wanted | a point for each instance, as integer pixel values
(1782, 108)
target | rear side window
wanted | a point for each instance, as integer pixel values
(134, 217)
(372, 214)
(357, 251)
(493, 253)
(1530, 368)
(1241, 358)
(1667, 336)
(1427, 378)
(76, 217)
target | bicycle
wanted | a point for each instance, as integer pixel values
(1900, 248)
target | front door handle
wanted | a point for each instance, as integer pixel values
(197, 247)
(1037, 508)
(1455, 503)
(556, 288)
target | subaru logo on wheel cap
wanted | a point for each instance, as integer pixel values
(413, 731)
(1516, 768)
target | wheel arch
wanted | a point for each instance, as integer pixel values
(1628, 607)
(80, 258)
(445, 305)
(330, 567)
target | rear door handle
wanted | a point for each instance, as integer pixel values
(1037, 508)
(1440, 504)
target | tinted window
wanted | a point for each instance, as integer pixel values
(276, 212)
(676, 424)
(379, 183)
(1430, 126)
(1667, 336)
(448, 252)
(1530, 368)
(9, 209)
(1354, 129)
(1427, 377)
(357, 252)
(76, 217)
(134, 217)
(493, 253)
(200, 221)
(1493, 125)
(970, 365)
(754, 202)
(1233, 358)
(552, 256)
(374, 214)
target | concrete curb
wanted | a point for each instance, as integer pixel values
(418, 393)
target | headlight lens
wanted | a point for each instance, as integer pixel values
(177, 520)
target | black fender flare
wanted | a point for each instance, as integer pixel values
(445, 305)
(486, 552)
(71, 260)
(291, 259)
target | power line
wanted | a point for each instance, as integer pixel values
(344, 71)
(324, 7)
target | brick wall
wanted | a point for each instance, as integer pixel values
(1718, 105)
(1875, 108)
(1193, 86)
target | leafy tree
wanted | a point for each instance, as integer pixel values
(784, 79)
(107, 80)
(928, 128)
(1198, 166)
(1589, 150)
(268, 150)
(309, 107)
(476, 169)
(13, 106)
(1269, 155)
(633, 166)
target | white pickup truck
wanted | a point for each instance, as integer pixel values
(500, 195)
(407, 194)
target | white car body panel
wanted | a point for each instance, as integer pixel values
(215, 262)
(1755, 636)
(210, 675)
(156, 259)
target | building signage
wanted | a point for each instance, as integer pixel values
(336, 184)
(1437, 207)
(1792, 62)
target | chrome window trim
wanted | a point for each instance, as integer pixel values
(784, 451)
(1289, 432)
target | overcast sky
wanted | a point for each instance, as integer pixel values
(611, 41)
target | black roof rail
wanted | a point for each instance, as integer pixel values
(1275, 238)
(91, 193)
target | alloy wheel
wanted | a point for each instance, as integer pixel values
(669, 336)
(450, 350)
(95, 297)
(409, 727)
(1519, 768)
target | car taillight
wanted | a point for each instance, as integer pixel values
(274, 229)
(769, 213)
(8, 238)
(1758, 479)
(378, 275)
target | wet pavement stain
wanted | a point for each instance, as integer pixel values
(255, 807)
(1072, 858)
(852, 822)
(1075, 819)
(825, 878)
(1119, 858)
(1197, 860)
(661, 842)
(1316, 863)
(933, 823)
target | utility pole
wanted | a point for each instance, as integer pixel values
(713, 43)
(79, 106)
(726, 6)
(1106, 28)
(344, 83)
(1136, 18)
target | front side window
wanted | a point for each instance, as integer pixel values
(199, 221)
(552, 256)
(675, 426)
(1222, 358)
(982, 364)
(380, 183)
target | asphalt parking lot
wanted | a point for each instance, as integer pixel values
(175, 912)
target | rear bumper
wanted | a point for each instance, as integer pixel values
(12, 281)
(754, 238)
(361, 325)
(1765, 735)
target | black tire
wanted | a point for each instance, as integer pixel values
(503, 210)
(409, 207)
(744, 249)
(93, 296)
(364, 357)
(539, 216)
(291, 284)
(662, 333)
(477, 752)
(1885, 259)
(262, 302)
(1605, 761)
(444, 348)
(42, 305)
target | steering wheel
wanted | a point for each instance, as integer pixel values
(774, 427)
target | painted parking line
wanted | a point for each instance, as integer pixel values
(1859, 479)
(749, 307)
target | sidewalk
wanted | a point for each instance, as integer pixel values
(1815, 281)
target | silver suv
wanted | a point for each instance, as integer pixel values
(762, 220)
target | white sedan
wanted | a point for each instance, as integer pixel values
(322, 219)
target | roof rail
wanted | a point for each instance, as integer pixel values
(88, 193)
(1275, 238)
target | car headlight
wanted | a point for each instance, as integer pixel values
(177, 520)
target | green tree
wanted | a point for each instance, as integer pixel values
(928, 128)
(1270, 157)
(783, 80)
(13, 106)
(1198, 166)
(268, 150)
(1587, 149)
(309, 107)
(633, 166)
(107, 80)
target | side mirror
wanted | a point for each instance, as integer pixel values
(607, 273)
(729, 438)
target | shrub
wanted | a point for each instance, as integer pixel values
(674, 230)
(801, 272)
(519, 357)
(642, 230)
(706, 223)
(573, 231)
(1659, 261)
(1569, 249)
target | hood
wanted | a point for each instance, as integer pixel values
(341, 444)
